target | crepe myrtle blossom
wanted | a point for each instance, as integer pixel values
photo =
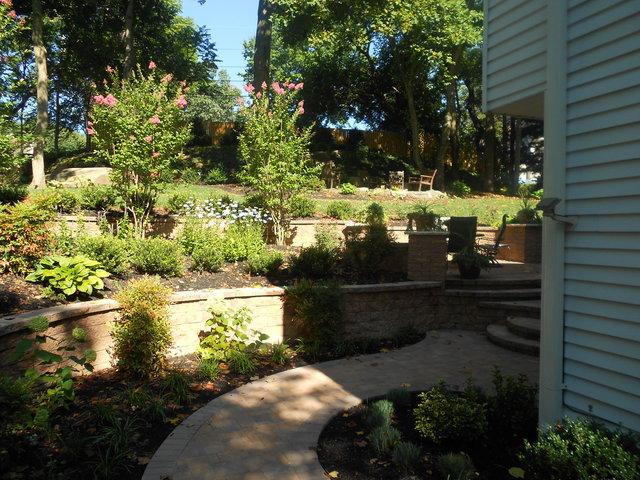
(90, 131)
(299, 86)
(249, 88)
(155, 120)
(167, 78)
(277, 88)
(181, 102)
(264, 85)
(109, 69)
(259, 95)
(7, 3)
(148, 139)
(12, 14)
(155, 154)
(108, 101)
(152, 65)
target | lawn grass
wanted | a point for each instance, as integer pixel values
(488, 208)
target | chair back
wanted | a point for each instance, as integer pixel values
(431, 174)
(462, 233)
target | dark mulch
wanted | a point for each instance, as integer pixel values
(18, 295)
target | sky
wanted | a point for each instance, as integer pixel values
(230, 23)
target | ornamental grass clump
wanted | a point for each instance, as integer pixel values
(275, 151)
(383, 439)
(406, 456)
(141, 334)
(379, 414)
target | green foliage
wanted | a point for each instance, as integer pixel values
(189, 175)
(456, 466)
(142, 334)
(113, 253)
(140, 399)
(275, 153)
(97, 197)
(379, 414)
(527, 212)
(448, 418)
(316, 262)
(69, 275)
(176, 385)
(264, 262)
(62, 199)
(209, 368)
(215, 176)
(348, 189)
(241, 362)
(112, 445)
(460, 189)
(400, 397)
(406, 456)
(341, 210)
(242, 240)
(303, 207)
(208, 256)
(11, 194)
(471, 256)
(177, 201)
(25, 236)
(138, 128)
(229, 332)
(158, 256)
(383, 439)
(579, 450)
(280, 353)
(316, 312)
(194, 234)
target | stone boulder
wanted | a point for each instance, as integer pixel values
(80, 175)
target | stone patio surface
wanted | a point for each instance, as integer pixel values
(268, 429)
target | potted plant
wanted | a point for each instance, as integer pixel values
(424, 219)
(471, 262)
(527, 213)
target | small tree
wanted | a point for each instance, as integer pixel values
(139, 128)
(275, 151)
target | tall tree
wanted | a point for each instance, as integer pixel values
(42, 93)
(262, 56)
(127, 36)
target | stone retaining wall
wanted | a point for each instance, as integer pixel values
(523, 243)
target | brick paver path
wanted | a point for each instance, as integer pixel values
(268, 429)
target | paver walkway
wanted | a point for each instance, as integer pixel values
(268, 429)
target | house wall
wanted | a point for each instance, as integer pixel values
(602, 253)
(515, 55)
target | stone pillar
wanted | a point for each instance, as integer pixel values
(427, 258)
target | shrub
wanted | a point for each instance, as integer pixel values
(208, 255)
(61, 199)
(209, 368)
(243, 239)
(316, 262)
(177, 201)
(189, 175)
(379, 414)
(275, 151)
(24, 235)
(348, 189)
(139, 127)
(10, 194)
(578, 450)
(446, 418)
(341, 210)
(456, 466)
(158, 256)
(229, 332)
(241, 362)
(280, 353)
(406, 456)
(215, 176)
(194, 233)
(400, 397)
(97, 197)
(460, 189)
(142, 334)
(383, 439)
(303, 207)
(113, 253)
(264, 262)
(316, 311)
(69, 275)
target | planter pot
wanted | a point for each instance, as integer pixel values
(523, 243)
(422, 221)
(469, 271)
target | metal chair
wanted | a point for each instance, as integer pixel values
(492, 250)
(462, 233)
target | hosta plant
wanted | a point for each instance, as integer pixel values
(69, 275)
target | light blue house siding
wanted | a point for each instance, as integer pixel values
(590, 350)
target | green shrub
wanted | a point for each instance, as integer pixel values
(25, 236)
(190, 175)
(379, 414)
(446, 418)
(264, 262)
(209, 368)
(208, 256)
(406, 456)
(10, 194)
(579, 450)
(316, 262)
(112, 252)
(316, 311)
(97, 197)
(280, 353)
(194, 233)
(383, 439)
(69, 275)
(177, 201)
(142, 334)
(215, 176)
(303, 207)
(341, 210)
(400, 397)
(158, 256)
(460, 189)
(456, 466)
(243, 239)
(241, 362)
(348, 189)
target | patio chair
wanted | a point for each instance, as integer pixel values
(492, 249)
(462, 233)
(425, 179)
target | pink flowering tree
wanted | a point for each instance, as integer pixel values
(275, 152)
(139, 128)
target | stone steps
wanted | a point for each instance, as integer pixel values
(524, 327)
(523, 308)
(501, 335)
(487, 295)
(493, 284)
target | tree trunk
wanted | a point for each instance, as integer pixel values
(517, 157)
(127, 37)
(42, 95)
(489, 153)
(447, 128)
(56, 132)
(512, 155)
(456, 162)
(413, 124)
(262, 55)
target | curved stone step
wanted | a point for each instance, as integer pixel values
(493, 283)
(525, 327)
(490, 294)
(500, 335)
(514, 308)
